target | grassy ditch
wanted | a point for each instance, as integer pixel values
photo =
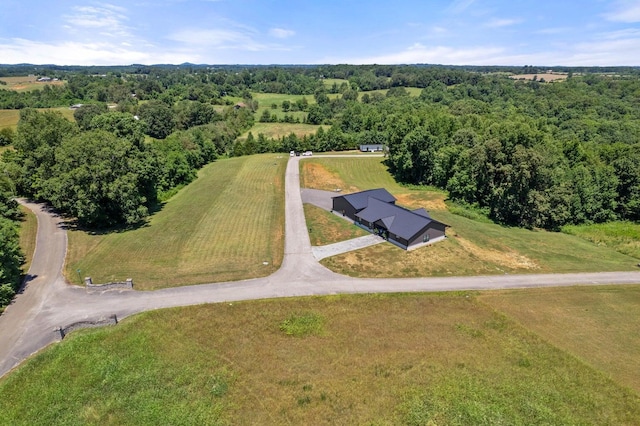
(221, 227)
(369, 359)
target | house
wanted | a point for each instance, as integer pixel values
(350, 204)
(44, 79)
(372, 147)
(375, 210)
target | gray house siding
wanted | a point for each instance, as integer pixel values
(432, 231)
(343, 207)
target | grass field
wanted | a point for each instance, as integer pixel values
(10, 117)
(623, 237)
(326, 228)
(372, 359)
(26, 83)
(472, 248)
(277, 130)
(221, 227)
(598, 325)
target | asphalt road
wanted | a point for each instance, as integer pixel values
(48, 302)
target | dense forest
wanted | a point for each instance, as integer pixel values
(526, 153)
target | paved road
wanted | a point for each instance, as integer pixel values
(48, 302)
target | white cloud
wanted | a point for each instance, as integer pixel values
(420, 54)
(108, 18)
(75, 53)
(625, 11)
(281, 33)
(499, 23)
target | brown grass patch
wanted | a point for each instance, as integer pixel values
(546, 76)
(508, 258)
(318, 176)
(327, 228)
(415, 201)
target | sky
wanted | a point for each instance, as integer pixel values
(450, 32)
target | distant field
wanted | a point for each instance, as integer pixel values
(26, 83)
(10, 117)
(446, 359)
(472, 247)
(266, 99)
(221, 227)
(277, 130)
(328, 82)
(545, 76)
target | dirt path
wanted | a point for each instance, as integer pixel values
(48, 302)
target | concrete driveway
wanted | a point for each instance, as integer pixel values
(48, 302)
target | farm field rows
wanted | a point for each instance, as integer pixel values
(473, 247)
(222, 227)
(383, 359)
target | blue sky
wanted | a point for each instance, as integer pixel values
(473, 32)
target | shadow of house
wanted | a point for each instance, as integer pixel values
(375, 210)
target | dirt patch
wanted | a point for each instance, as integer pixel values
(508, 258)
(317, 176)
(413, 202)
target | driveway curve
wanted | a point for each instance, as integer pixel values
(48, 302)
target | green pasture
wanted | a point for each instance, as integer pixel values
(278, 130)
(10, 117)
(329, 82)
(372, 359)
(472, 247)
(221, 227)
(265, 100)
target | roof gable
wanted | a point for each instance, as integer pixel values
(398, 220)
(360, 200)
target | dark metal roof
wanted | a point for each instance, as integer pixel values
(398, 220)
(359, 200)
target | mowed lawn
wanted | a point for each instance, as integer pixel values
(472, 247)
(445, 359)
(599, 325)
(224, 226)
(278, 130)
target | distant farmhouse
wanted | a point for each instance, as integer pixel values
(376, 211)
(372, 147)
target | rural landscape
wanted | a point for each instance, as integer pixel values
(187, 179)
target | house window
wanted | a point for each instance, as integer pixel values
(425, 238)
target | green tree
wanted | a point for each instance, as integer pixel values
(101, 180)
(85, 114)
(158, 119)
